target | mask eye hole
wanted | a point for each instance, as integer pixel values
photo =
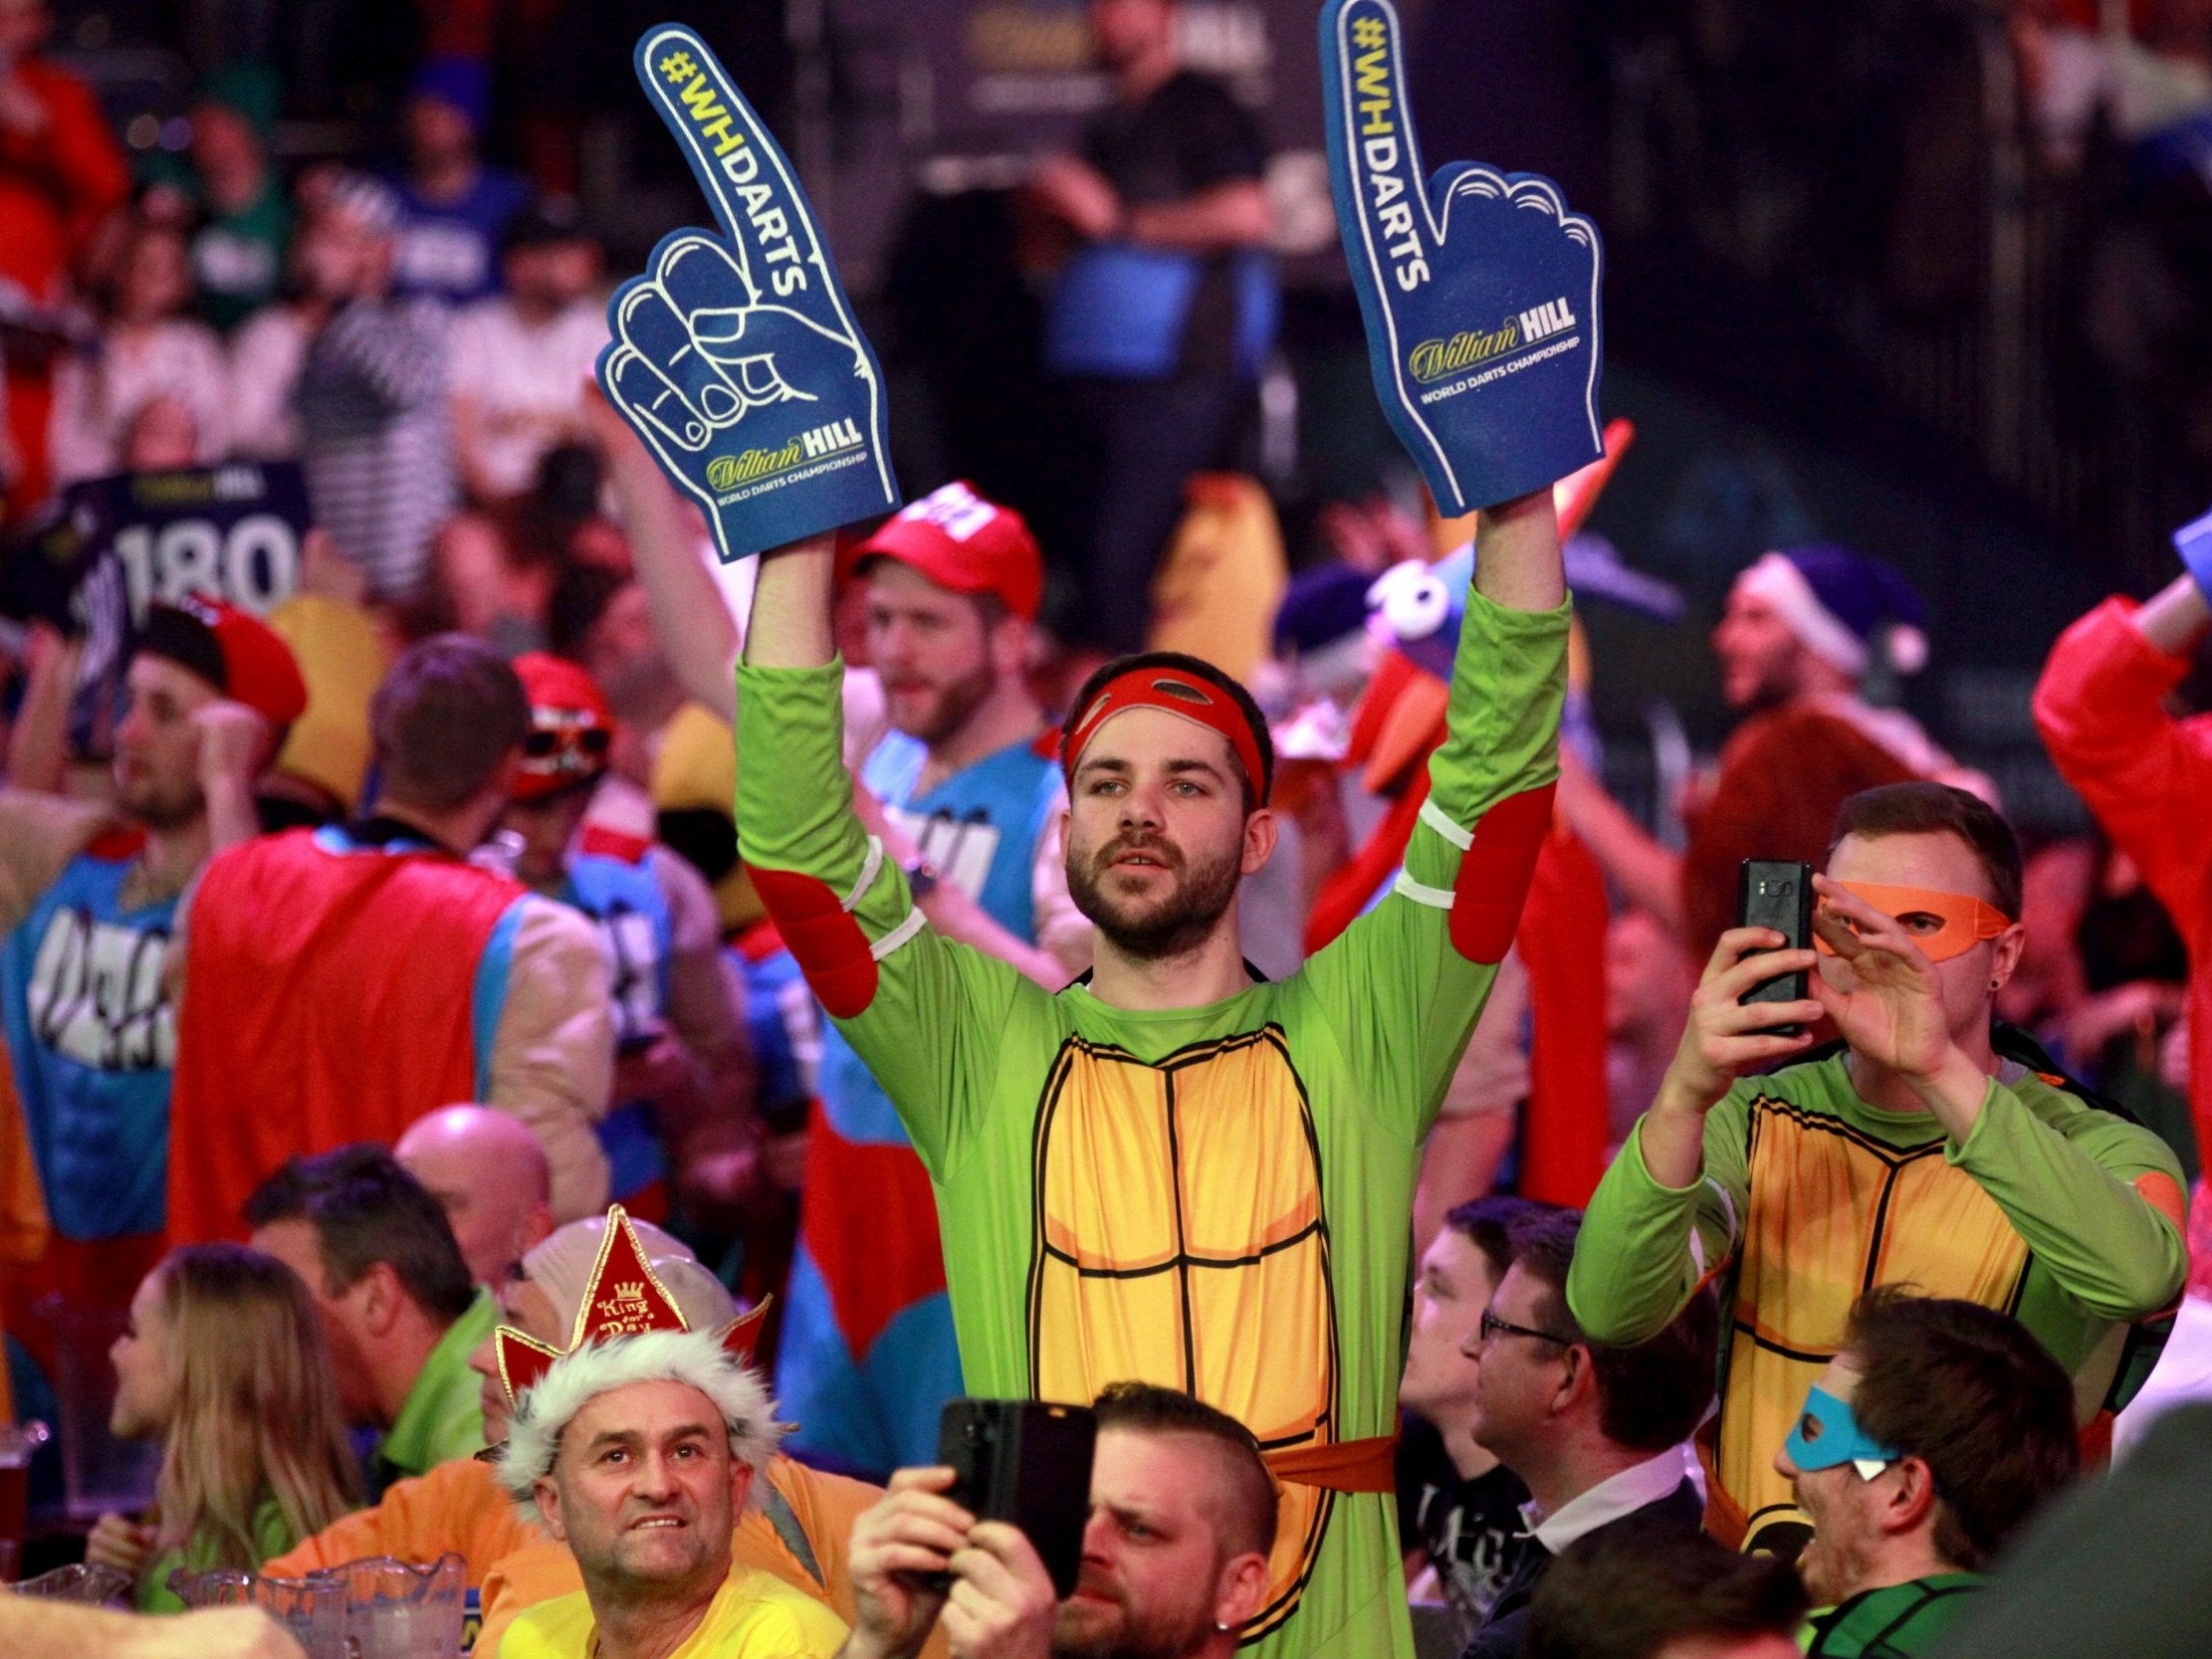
(1808, 1428)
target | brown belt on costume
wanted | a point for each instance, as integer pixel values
(1338, 1464)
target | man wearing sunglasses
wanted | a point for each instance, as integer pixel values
(680, 1124)
(1914, 1151)
(1926, 1445)
(1595, 1433)
(340, 982)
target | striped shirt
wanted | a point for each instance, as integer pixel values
(375, 440)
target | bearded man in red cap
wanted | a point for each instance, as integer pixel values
(338, 983)
(683, 1073)
(88, 902)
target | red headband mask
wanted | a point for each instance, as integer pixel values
(1174, 692)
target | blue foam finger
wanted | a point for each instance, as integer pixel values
(738, 360)
(2193, 541)
(651, 405)
(657, 332)
(1478, 289)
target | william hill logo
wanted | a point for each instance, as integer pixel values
(1432, 359)
(725, 471)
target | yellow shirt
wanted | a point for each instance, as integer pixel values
(753, 1617)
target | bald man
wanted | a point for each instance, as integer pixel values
(490, 1175)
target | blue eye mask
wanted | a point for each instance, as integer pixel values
(1828, 1434)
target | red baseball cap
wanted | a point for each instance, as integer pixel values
(571, 729)
(962, 542)
(237, 653)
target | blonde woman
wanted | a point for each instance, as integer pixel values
(223, 1361)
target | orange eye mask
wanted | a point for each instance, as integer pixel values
(1966, 921)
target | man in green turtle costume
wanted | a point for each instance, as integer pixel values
(1176, 1171)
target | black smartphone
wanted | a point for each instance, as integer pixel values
(1771, 893)
(1026, 1462)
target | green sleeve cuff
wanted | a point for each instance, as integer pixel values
(1632, 1154)
(1996, 1098)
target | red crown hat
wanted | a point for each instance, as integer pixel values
(628, 1330)
(622, 1299)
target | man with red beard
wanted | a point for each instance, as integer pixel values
(1174, 1555)
(971, 793)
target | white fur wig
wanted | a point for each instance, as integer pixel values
(696, 1358)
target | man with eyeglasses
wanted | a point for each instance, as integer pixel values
(683, 1077)
(340, 982)
(1595, 1433)
(1927, 1444)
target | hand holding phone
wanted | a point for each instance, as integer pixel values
(1750, 1011)
(1773, 893)
(1028, 1463)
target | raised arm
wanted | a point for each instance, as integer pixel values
(789, 626)
(2100, 709)
(690, 616)
(1517, 563)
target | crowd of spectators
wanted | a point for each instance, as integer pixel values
(371, 923)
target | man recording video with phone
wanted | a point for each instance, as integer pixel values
(1182, 1514)
(1931, 1147)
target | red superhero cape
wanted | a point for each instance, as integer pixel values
(328, 998)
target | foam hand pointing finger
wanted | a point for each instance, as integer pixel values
(1478, 289)
(736, 360)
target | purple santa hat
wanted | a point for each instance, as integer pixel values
(1844, 606)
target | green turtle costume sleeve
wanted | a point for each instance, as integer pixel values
(1402, 985)
(1651, 1244)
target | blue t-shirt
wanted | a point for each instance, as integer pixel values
(93, 1038)
(450, 250)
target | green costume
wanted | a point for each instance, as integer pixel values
(442, 1417)
(2067, 1217)
(272, 1536)
(1897, 1622)
(1212, 1199)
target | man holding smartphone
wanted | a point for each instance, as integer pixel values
(1182, 1514)
(1913, 1153)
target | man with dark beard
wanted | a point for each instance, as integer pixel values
(971, 799)
(88, 899)
(1175, 1557)
(1172, 1170)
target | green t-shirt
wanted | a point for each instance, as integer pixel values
(237, 259)
(2057, 1212)
(272, 1537)
(1212, 1199)
(442, 1417)
(1897, 1622)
